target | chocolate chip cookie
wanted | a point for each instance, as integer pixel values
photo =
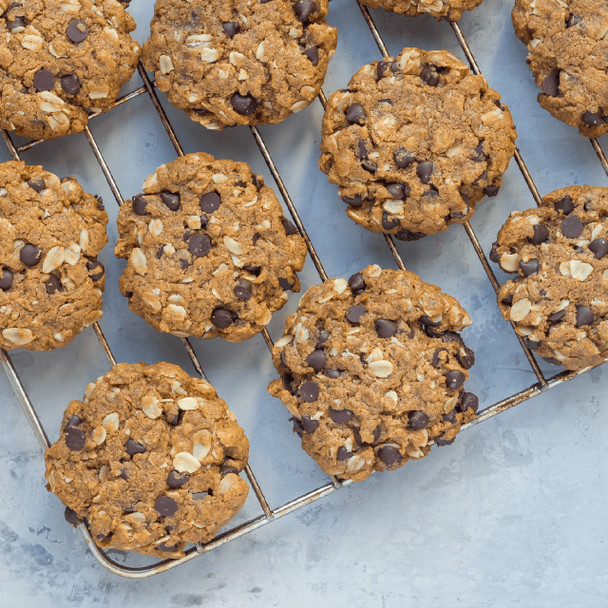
(372, 371)
(568, 55)
(440, 9)
(237, 62)
(60, 60)
(558, 301)
(209, 251)
(415, 142)
(150, 458)
(51, 282)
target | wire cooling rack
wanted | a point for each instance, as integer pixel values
(543, 383)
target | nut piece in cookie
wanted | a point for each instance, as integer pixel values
(209, 251)
(372, 371)
(60, 60)
(228, 62)
(568, 55)
(150, 458)
(440, 9)
(51, 281)
(558, 302)
(415, 142)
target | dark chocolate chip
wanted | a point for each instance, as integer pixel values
(530, 267)
(324, 335)
(53, 285)
(572, 226)
(333, 373)
(6, 279)
(243, 290)
(199, 245)
(437, 361)
(70, 84)
(429, 75)
(432, 193)
(550, 84)
(531, 344)
(425, 170)
(403, 234)
(309, 391)
(167, 548)
(565, 204)
(305, 9)
(599, 247)
(389, 221)
(468, 401)
(139, 205)
(77, 31)
(289, 227)
(96, 269)
(133, 447)
(171, 200)
(494, 257)
(593, 119)
(316, 360)
(29, 254)
(541, 234)
(454, 379)
(369, 166)
(557, 316)
(245, 105)
(573, 20)
(183, 263)
(297, 427)
(210, 202)
(17, 22)
(309, 425)
(403, 159)
(385, 67)
(222, 318)
(478, 154)
(361, 149)
(254, 270)
(286, 284)
(398, 191)
(73, 421)
(176, 480)
(466, 357)
(449, 417)
(385, 328)
(289, 384)
(353, 201)
(312, 52)
(355, 312)
(584, 316)
(104, 538)
(491, 190)
(417, 420)
(37, 184)
(341, 416)
(428, 322)
(72, 517)
(226, 469)
(357, 284)
(124, 475)
(166, 506)
(343, 453)
(355, 114)
(44, 80)
(75, 439)
(389, 455)
(232, 28)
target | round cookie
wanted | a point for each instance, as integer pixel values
(440, 9)
(50, 280)
(60, 60)
(372, 371)
(238, 62)
(558, 300)
(150, 458)
(568, 55)
(209, 251)
(415, 142)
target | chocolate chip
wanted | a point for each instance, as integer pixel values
(573, 20)
(324, 335)
(417, 420)
(171, 200)
(398, 191)
(232, 28)
(6, 279)
(53, 285)
(183, 263)
(531, 344)
(316, 360)
(429, 75)
(17, 23)
(466, 357)
(584, 316)
(572, 226)
(44, 80)
(297, 427)
(341, 416)
(428, 322)
(355, 312)
(37, 184)
(96, 269)
(29, 254)
(289, 384)
(75, 439)
(72, 517)
(384, 67)
(494, 256)
(599, 247)
(312, 52)
(565, 204)
(361, 149)
(245, 105)
(124, 475)
(73, 421)
(286, 284)
(167, 548)
(357, 284)
(557, 316)
(425, 170)
(289, 227)
(70, 84)
(226, 469)
(309, 425)
(403, 159)
(369, 166)
(389, 221)
(593, 119)
(468, 401)
(454, 379)
(478, 154)
(166, 506)
(389, 455)
(243, 290)
(407, 235)
(309, 391)
(437, 361)
(305, 9)
(343, 453)
(385, 328)
(491, 190)
(449, 417)
(432, 193)
(353, 201)
(104, 538)
(139, 205)
(199, 245)
(530, 267)
(133, 447)
(550, 84)
(355, 114)
(254, 270)
(77, 31)
(541, 234)
(176, 480)
(333, 373)
(210, 202)
(222, 318)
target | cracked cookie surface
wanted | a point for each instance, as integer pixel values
(568, 55)
(415, 142)
(51, 282)
(151, 459)
(60, 60)
(209, 251)
(558, 301)
(372, 370)
(440, 9)
(240, 62)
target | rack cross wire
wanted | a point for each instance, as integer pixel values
(270, 514)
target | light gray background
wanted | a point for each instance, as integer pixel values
(513, 514)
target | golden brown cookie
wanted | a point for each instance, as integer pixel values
(150, 458)
(568, 55)
(440, 9)
(50, 279)
(558, 301)
(372, 371)
(415, 142)
(238, 62)
(209, 251)
(60, 60)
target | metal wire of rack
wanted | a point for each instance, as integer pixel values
(270, 514)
